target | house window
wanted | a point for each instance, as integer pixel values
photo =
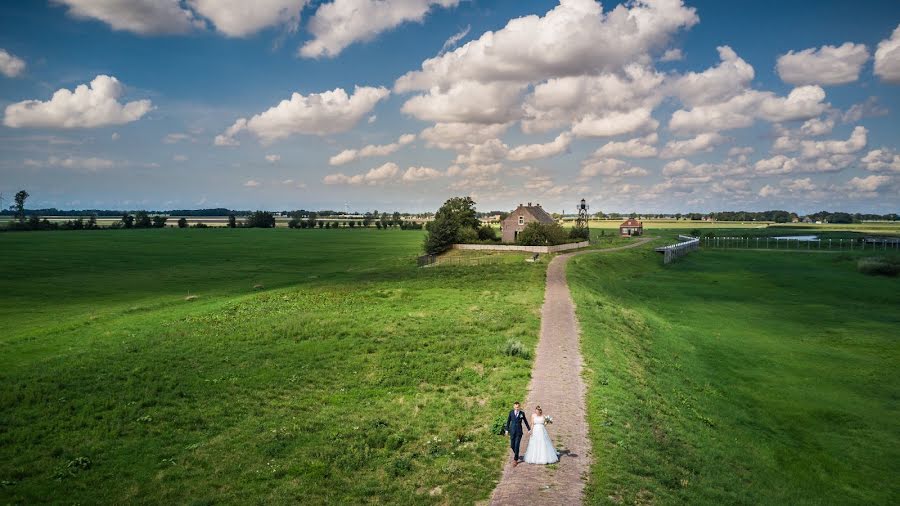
(521, 220)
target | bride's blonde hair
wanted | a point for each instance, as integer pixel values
(539, 410)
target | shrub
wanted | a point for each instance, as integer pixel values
(142, 220)
(542, 234)
(499, 425)
(159, 221)
(467, 236)
(232, 221)
(294, 223)
(487, 233)
(260, 219)
(877, 266)
(182, 223)
(580, 233)
(200, 225)
(516, 349)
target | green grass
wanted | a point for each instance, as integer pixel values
(348, 376)
(740, 378)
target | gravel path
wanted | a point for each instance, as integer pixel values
(556, 385)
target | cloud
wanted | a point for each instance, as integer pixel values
(273, 158)
(241, 18)
(349, 155)
(740, 151)
(574, 38)
(869, 108)
(616, 123)
(252, 183)
(640, 147)
(175, 138)
(560, 102)
(11, 65)
(887, 58)
(144, 17)
(91, 106)
(868, 184)
(610, 167)
(535, 151)
(454, 39)
(459, 136)
(233, 18)
(716, 84)
(180, 158)
(378, 175)
(115, 136)
(799, 185)
(827, 65)
(881, 160)
(91, 164)
(768, 191)
(314, 114)
(414, 174)
(371, 119)
(702, 142)
(740, 111)
(814, 156)
(674, 54)
(817, 126)
(467, 102)
(340, 23)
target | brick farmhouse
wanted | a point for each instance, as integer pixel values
(521, 217)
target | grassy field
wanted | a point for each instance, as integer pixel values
(740, 378)
(254, 366)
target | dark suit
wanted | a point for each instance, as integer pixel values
(514, 427)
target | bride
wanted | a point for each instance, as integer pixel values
(540, 448)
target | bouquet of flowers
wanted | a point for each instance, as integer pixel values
(548, 420)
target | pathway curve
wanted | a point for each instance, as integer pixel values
(556, 385)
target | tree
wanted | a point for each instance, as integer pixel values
(92, 222)
(232, 221)
(580, 233)
(142, 220)
(260, 219)
(367, 220)
(19, 206)
(159, 221)
(487, 233)
(311, 219)
(182, 222)
(128, 220)
(542, 234)
(397, 219)
(450, 223)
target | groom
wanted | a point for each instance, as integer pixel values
(514, 428)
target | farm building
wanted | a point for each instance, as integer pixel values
(520, 217)
(631, 227)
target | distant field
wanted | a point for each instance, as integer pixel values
(346, 376)
(740, 378)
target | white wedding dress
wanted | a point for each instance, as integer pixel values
(540, 448)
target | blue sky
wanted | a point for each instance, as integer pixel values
(656, 106)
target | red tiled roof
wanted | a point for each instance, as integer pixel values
(631, 222)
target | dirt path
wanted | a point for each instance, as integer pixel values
(556, 385)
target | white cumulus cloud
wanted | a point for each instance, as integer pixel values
(826, 65)
(378, 175)
(887, 58)
(534, 151)
(89, 106)
(639, 147)
(414, 174)
(314, 114)
(338, 24)
(702, 142)
(10, 64)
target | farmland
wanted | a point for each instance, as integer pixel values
(737, 377)
(254, 365)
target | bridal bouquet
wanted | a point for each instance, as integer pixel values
(548, 420)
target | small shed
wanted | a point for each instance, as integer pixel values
(631, 227)
(521, 217)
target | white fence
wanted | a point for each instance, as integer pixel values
(674, 251)
(530, 249)
(803, 243)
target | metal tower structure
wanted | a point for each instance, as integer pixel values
(582, 214)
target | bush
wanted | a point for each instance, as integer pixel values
(877, 266)
(542, 234)
(499, 425)
(182, 223)
(260, 219)
(516, 349)
(487, 233)
(467, 236)
(294, 223)
(159, 221)
(580, 233)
